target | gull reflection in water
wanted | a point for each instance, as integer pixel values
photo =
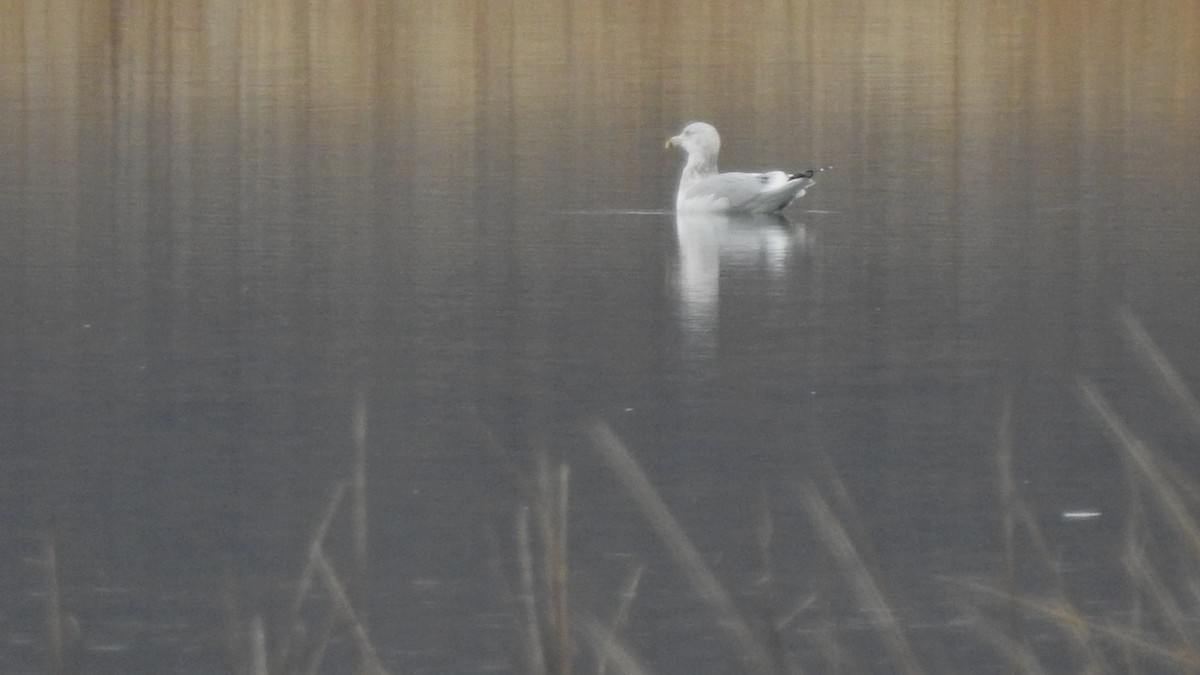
(710, 241)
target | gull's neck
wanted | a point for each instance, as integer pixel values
(698, 168)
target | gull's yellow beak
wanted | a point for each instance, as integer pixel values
(671, 142)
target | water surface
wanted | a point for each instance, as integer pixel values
(227, 228)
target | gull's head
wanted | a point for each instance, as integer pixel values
(697, 139)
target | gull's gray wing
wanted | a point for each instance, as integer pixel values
(757, 192)
(737, 188)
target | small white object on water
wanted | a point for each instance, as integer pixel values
(1080, 515)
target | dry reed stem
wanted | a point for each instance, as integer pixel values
(679, 546)
(561, 621)
(833, 654)
(501, 451)
(258, 646)
(609, 649)
(496, 565)
(1145, 464)
(1135, 542)
(287, 649)
(764, 535)
(358, 480)
(628, 594)
(1169, 380)
(764, 532)
(57, 633)
(1143, 574)
(864, 585)
(324, 637)
(1007, 487)
(843, 503)
(787, 618)
(1014, 650)
(551, 511)
(1156, 362)
(315, 543)
(535, 656)
(1017, 514)
(1068, 618)
(337, 592)
(235, 631)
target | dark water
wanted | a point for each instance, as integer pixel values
(226, 228)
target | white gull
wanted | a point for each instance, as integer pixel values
(702, 188)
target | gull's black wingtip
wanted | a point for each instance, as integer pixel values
(808, 174)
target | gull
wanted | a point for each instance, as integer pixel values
(701, 188)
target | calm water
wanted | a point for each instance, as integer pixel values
(225, 228)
